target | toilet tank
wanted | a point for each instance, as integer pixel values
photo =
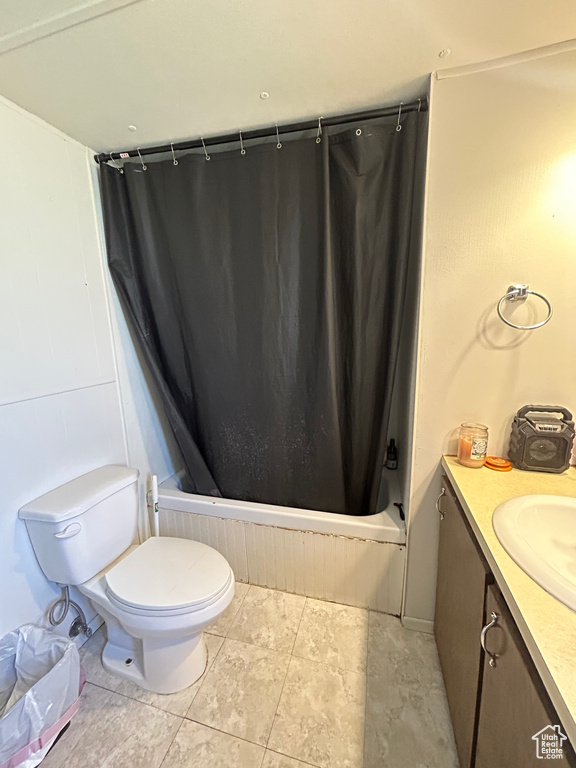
(80, 527)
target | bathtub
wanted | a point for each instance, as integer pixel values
(384, 526)
(356, 561)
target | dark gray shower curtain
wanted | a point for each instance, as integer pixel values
(266, 292)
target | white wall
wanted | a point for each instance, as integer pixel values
(60, 407)
(501, 209)
(151, 445)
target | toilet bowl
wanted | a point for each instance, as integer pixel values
(156, 598)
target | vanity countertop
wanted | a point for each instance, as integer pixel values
(547, 625)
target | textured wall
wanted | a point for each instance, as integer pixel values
(501, 209)
(70, 399)
(59, 405)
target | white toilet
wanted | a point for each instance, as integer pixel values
(156, 597)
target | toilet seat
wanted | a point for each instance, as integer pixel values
(167, 576)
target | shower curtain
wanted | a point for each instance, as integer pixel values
(266, 292)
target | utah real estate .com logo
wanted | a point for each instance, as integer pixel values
(549, 743)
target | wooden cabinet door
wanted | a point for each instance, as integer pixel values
(458, 620)
(514, 705)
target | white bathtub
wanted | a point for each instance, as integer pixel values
(346, 559)
(385, 526)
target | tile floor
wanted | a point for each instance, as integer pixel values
(290, 683)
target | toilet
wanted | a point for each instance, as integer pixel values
(156, 598)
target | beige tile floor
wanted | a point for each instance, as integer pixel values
(290, 683)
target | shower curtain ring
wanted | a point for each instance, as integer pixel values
(118, 167)
(319, 133)
(278, 142)
(206, 155)
(174, 161)
(144, 167)
(419, 104)
(242, 150)
(398, 126)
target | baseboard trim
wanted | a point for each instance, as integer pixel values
(418, 625)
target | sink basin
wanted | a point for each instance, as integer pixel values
(539, 534)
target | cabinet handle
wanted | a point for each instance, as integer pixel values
(442, 493)
(493, 623)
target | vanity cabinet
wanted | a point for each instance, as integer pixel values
(513, 707)
(495, 707)
(460, 590)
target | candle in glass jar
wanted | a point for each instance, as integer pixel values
(472, 445)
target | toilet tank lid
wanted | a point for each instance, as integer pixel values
(79, 495)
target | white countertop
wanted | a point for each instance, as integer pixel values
(547, 625)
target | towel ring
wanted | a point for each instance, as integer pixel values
(519, 292)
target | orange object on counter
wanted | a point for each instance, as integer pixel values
(498, 464)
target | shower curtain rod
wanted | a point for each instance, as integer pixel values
(260, 133)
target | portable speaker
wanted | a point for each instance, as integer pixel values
(542, 438)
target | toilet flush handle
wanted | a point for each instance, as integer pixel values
(69, 531)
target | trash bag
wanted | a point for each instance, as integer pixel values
(40, 684)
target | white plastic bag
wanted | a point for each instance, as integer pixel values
(40, 684)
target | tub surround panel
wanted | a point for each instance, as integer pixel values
(226, 536)
(366, 574)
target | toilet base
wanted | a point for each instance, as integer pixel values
(162, 654)
(158, 665)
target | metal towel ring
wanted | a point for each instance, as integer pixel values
(519, 292)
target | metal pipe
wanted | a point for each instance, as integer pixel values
(420, 105)
(63, 604)
(155, 515)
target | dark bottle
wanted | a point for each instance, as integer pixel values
(392, 455)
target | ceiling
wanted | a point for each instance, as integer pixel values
(177, 69)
